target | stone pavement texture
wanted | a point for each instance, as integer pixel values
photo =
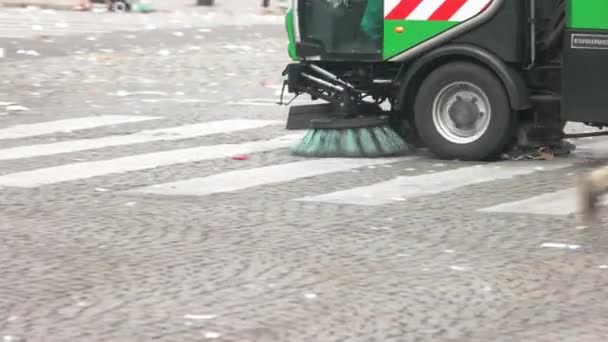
(39, 23)
(58, 4)
(100, 244)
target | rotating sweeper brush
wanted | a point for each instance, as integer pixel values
(352, 138)
(347, 126)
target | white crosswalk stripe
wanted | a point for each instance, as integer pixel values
(243, 179)
(560, 203)
(400, 188)
(163, 134)
(404, 187)
(84, 170)
(69, 125)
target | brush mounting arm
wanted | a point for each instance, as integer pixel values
(331, 76)
(322, 82)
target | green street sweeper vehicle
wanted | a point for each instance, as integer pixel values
(467, 79)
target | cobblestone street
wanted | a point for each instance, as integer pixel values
(147, 193)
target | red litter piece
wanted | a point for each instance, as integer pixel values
(241, 157)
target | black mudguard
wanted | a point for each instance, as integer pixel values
(515, 85)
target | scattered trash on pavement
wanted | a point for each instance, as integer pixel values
(198, 317)
(16, 108)
(542, 153)
(28, 52)
(237, 47)
(559, 245)
(212, 334)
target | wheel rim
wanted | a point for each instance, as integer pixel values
(461, 112)
(119, 7)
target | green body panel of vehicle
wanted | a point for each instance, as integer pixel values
(588, 14)
(291, 48)
(394, 42)
(414, 33)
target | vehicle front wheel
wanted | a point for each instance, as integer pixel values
(120, 6)
(462, 112)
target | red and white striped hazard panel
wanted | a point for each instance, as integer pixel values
(434, 10)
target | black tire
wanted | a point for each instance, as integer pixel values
(121, 6)
(502, 121)
(404, 126)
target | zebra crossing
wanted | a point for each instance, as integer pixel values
(396, 189)
(557, 203)
(68, 125)
(243, 179)
(426, 184)
(145, 136)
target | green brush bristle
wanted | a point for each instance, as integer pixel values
(315, 143)
(384, 145)
(308, 137)
(299, 146)
(331, 146)
(308, 144)
(367, 142)
(349, 144)
(389, 140)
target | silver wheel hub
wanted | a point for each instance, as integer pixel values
(461, 112)
(119, 7)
